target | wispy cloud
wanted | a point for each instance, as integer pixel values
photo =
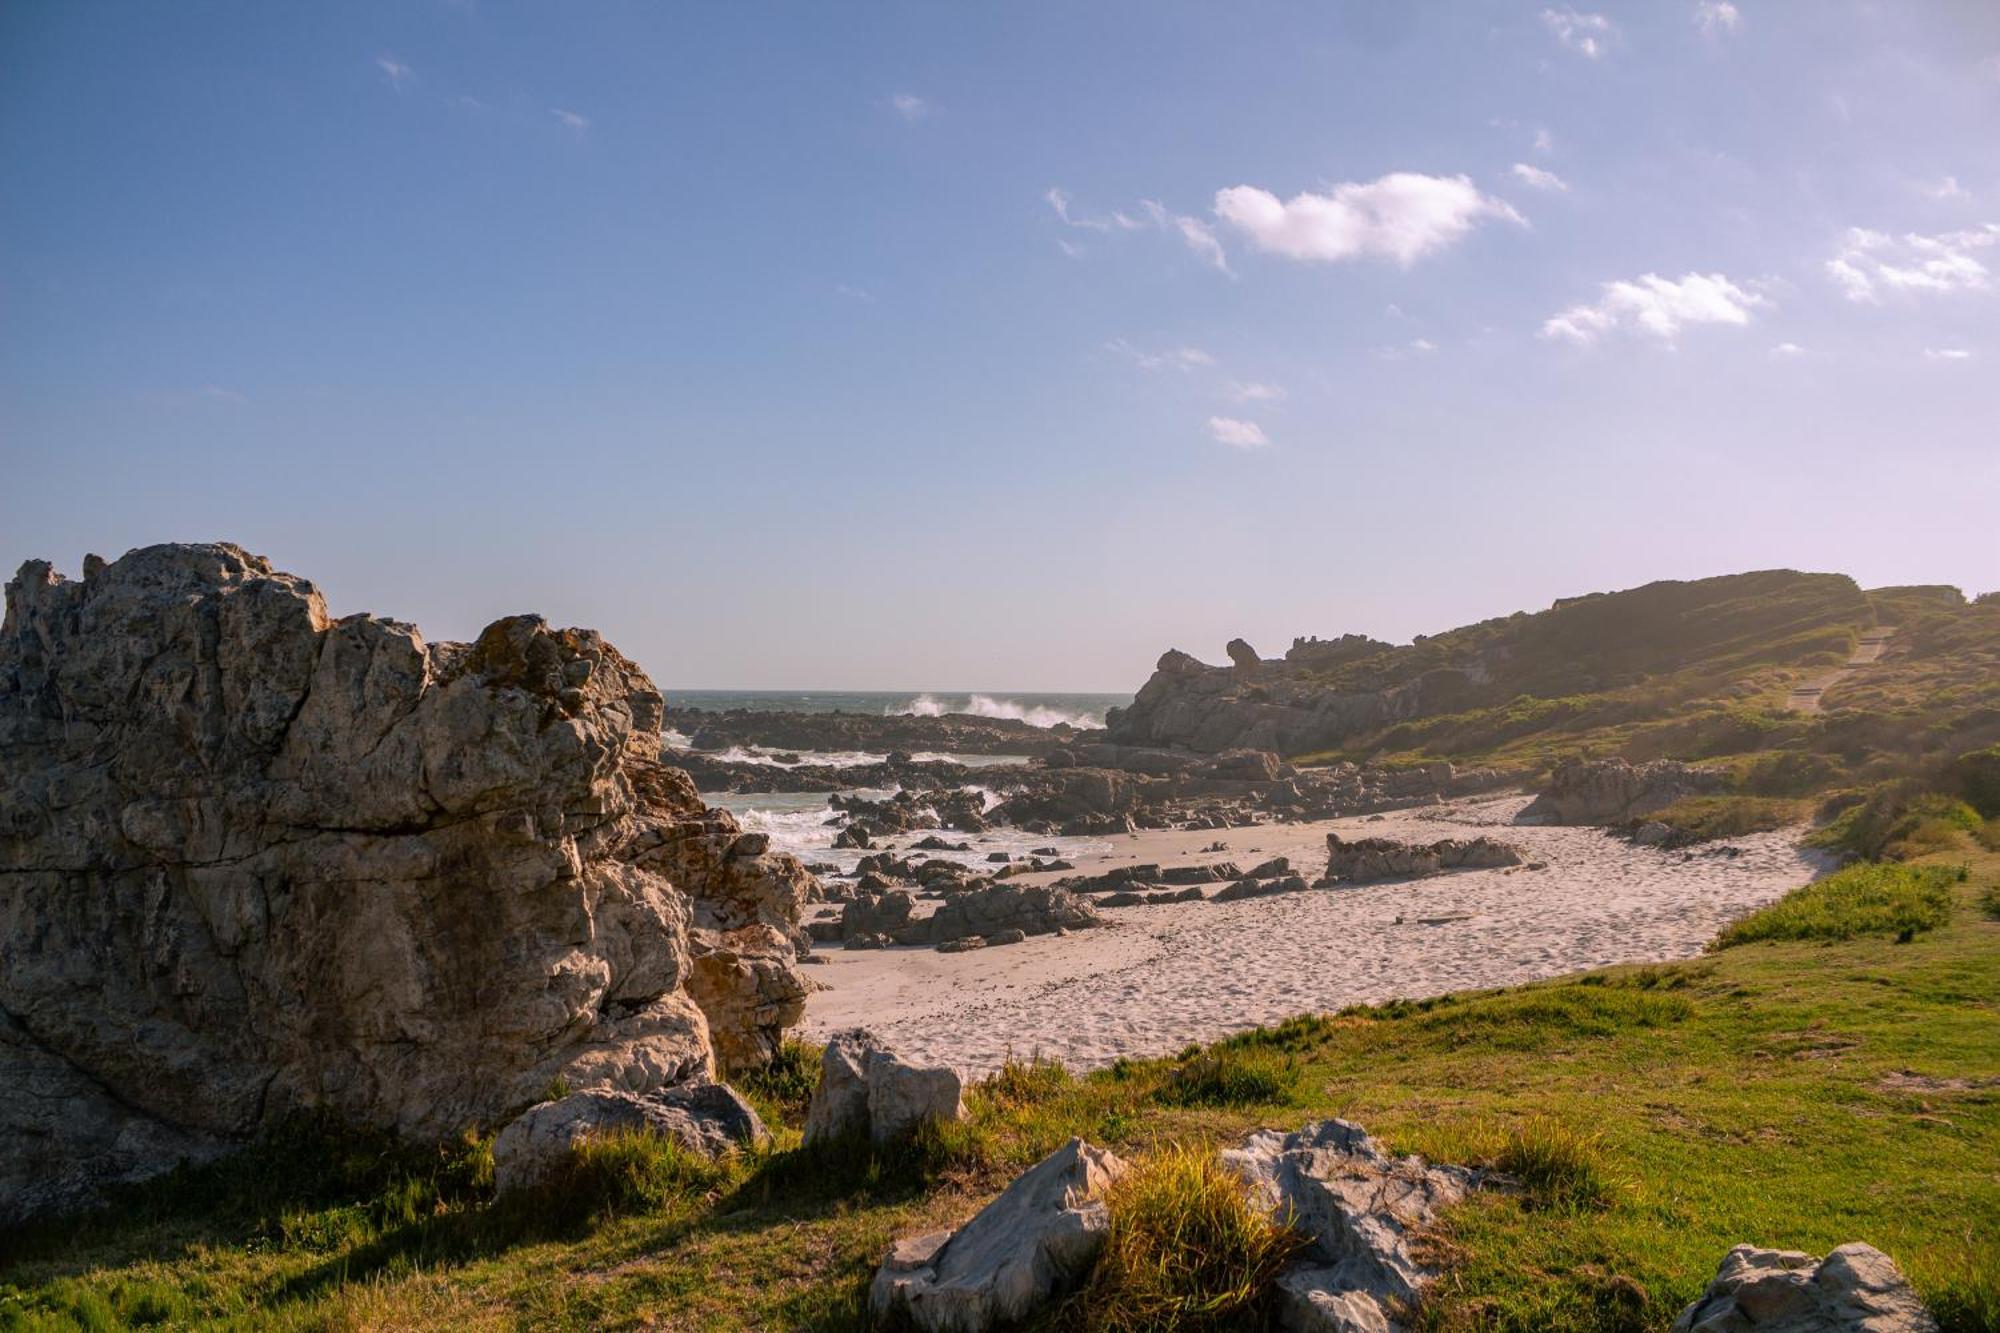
(1656, 306)
(1197, 235)
(1069, 247)
(1948, 188)
(1060, 199)
(1585, 34)
(1252, 391)
(1948, 353)
(1402, 217)
(1535, 178)
(1786, 351)
(573, 121)
(1717, 18)
(853, 293)
(220, 394)
(1544, 141)
(1870, 264)
(399, 74)
(910, 106)
(1237, 434)
(1174, 358)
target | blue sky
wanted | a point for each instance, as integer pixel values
(1001, 347)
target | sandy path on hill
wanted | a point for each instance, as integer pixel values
(1163, 976)
(1808, 696)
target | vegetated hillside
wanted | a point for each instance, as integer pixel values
(1694, 670)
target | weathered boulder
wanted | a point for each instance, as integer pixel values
(1019, 1252)
(1615, 791)
(1855, 1289)
(708, 1118)
(865, 1089)
(1037, 909)
(1242, 655)
(1361, 1211)
(1364, 860)
(255, 859)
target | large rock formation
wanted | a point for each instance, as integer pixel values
(255, 859)
(1613, 791)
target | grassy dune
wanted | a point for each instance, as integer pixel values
(1787, 1091)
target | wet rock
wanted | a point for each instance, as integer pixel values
(1035, 1241)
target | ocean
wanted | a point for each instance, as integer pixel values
(1043, 710)
(797, 821)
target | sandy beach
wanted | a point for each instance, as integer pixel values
(1162, 976)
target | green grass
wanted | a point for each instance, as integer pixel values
(1797, 1093)
(1185, 1251)
(1872, 898)
(1231, 1076)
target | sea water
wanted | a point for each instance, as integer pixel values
(798, 821)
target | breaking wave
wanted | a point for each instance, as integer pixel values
(985, 705)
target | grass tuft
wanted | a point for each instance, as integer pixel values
(1185, 1251)
(1867, 899)
(1560, 1168)
(614, 1175)
(1232, 1076)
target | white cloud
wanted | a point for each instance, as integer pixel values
(1404, 351)
(1948, 188)
(1424, 345)
(1237, 434)
(1059, 200)
(1788, 350)
(1197, 235)
(572, 121)
(853, 292)
(910, 106)
(1657, 306)
(1585, 34)
(1174, 358)
(1716, 17)
(1538, 179)
(1253, 392)
(1070, 248)
(1544, 141)
(1870, 263)
(1948, 353)
(1403, 216)
(399, 73)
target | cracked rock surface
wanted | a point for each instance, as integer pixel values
(255, 859)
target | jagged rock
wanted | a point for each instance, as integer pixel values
(1364, 860)
(867, 1090)
(877, 914)
(1260, 888)
(256, 859)
(708, 1118)
(1032, 1243)
(1855, 1289)
(1243, 655)
(745, 983)
(1360, 1210)
(1032, 909)
(1613, 791)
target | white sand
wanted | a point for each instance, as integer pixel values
(1163, 976)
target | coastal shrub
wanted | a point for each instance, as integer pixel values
(1899, 820)
(1232, 1076)
(1977, 778)
(1878, 898)
(1696, 819)
(1788, 773)
(1989, 900)
(1560, 1168)
(1185, 1250)
(786, 1084)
